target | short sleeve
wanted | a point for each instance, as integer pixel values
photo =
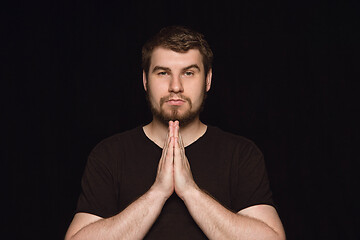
(98, 186)
(250, 184)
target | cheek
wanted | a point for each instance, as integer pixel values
(156, 93)
(196, 92)
(158, 87)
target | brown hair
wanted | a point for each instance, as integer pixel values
(179, 39)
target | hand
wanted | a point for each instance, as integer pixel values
(183, 178)
(174, 171)
(165, 177)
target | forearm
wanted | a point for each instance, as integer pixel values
(132, 223)
(217, 222)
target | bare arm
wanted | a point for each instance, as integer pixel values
(132, 223)
(136, 220)
(217, 222)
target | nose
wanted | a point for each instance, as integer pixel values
(176, 85)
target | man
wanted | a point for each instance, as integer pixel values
(176, 178)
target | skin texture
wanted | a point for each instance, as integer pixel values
(170, 78)
(179, 71)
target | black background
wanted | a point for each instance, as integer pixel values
(284, 76)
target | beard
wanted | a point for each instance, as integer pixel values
(164, 116)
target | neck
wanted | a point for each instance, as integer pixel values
(156, 131)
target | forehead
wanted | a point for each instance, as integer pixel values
(171, 59)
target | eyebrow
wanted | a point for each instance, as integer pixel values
(192, 66)
(156, 68)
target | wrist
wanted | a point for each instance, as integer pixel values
(191, 194)
(158, 195)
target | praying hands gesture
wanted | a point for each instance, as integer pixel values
(174, 173)
(217, 222)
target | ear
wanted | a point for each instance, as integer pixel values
(144, 80)
(208, 80)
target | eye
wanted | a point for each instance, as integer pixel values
(188, 73)
(163, 73)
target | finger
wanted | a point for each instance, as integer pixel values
(181, 141)
(166, 141)
(166, 156)
(182, 147)
(170, 153)
(171, 128)
(164, 153)
(177, 153)
(184, 159)
(176, 124)
(166, 144)
(176, 130)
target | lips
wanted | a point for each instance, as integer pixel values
(175, 102)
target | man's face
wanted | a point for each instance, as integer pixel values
(176, 85)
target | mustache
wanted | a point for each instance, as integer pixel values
(178, 96)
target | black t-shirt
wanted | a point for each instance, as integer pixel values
(123, 167)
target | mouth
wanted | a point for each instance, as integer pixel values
(175, 102)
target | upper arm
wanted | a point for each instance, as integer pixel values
(79, 221)
(266, 214)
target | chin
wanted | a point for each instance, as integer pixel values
(183, 118)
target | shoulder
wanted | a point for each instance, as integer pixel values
(118, 141)
(232, 145)
(123, 137)
(222, 137)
